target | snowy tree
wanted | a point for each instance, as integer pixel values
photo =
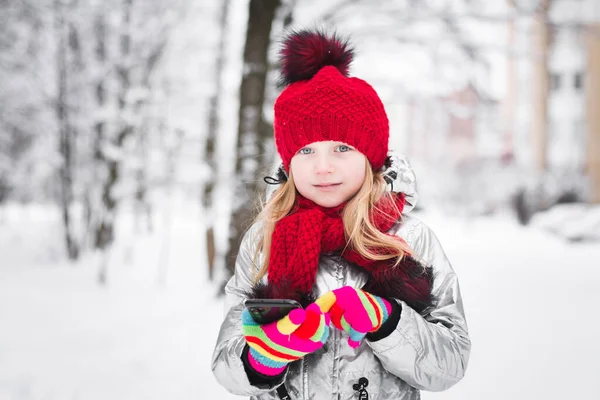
(25, 115)
(83, 78)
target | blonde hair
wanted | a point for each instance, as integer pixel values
(361, 235)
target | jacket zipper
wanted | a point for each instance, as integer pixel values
(305, 379)
(336, 339)
(337, 335)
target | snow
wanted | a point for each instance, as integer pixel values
(528, 296)
(574, 222)
(64, 336)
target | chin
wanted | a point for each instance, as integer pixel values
(329, 203)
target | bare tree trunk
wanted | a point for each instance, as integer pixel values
(252, 132)
(99, 125)
(212, 132)
(100, 94)
(65, 132)
(592, 89)
(94, 206)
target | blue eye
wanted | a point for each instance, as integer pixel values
(343, 148)
(305, 150)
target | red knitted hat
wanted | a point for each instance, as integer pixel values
(322, 103)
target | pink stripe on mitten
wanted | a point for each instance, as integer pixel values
(358, 312)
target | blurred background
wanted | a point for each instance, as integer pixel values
(134, 136)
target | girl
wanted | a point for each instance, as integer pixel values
(383, 315)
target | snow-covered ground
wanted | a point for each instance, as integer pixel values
(530, 298)
(575, 222)
(531, 301)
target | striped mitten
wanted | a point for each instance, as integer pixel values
(273, 346)
(358, 313)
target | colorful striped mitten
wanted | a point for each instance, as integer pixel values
(272, 346)
(357, 312)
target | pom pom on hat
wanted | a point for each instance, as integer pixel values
(305, 52)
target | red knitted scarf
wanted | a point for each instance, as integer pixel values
(300, 238)
(311, 230)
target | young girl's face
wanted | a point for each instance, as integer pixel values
(328, 173)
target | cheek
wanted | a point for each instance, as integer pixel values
(300, 176)
(357, 172)
(358, 177)
(354, 177)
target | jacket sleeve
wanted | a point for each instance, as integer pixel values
(431, 352)
(227, 365)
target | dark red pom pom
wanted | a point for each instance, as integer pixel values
(305, 52)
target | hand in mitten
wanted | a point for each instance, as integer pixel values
(272, 346)
(358, 313)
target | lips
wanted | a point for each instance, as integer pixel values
(325, 185)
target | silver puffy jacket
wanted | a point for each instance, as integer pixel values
(428, 352)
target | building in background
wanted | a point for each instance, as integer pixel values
(553, 89)
(472, 134)
(567, 127)
(456, 128)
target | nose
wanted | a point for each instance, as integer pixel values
(323, 164)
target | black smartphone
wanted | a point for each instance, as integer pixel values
(264, 311)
